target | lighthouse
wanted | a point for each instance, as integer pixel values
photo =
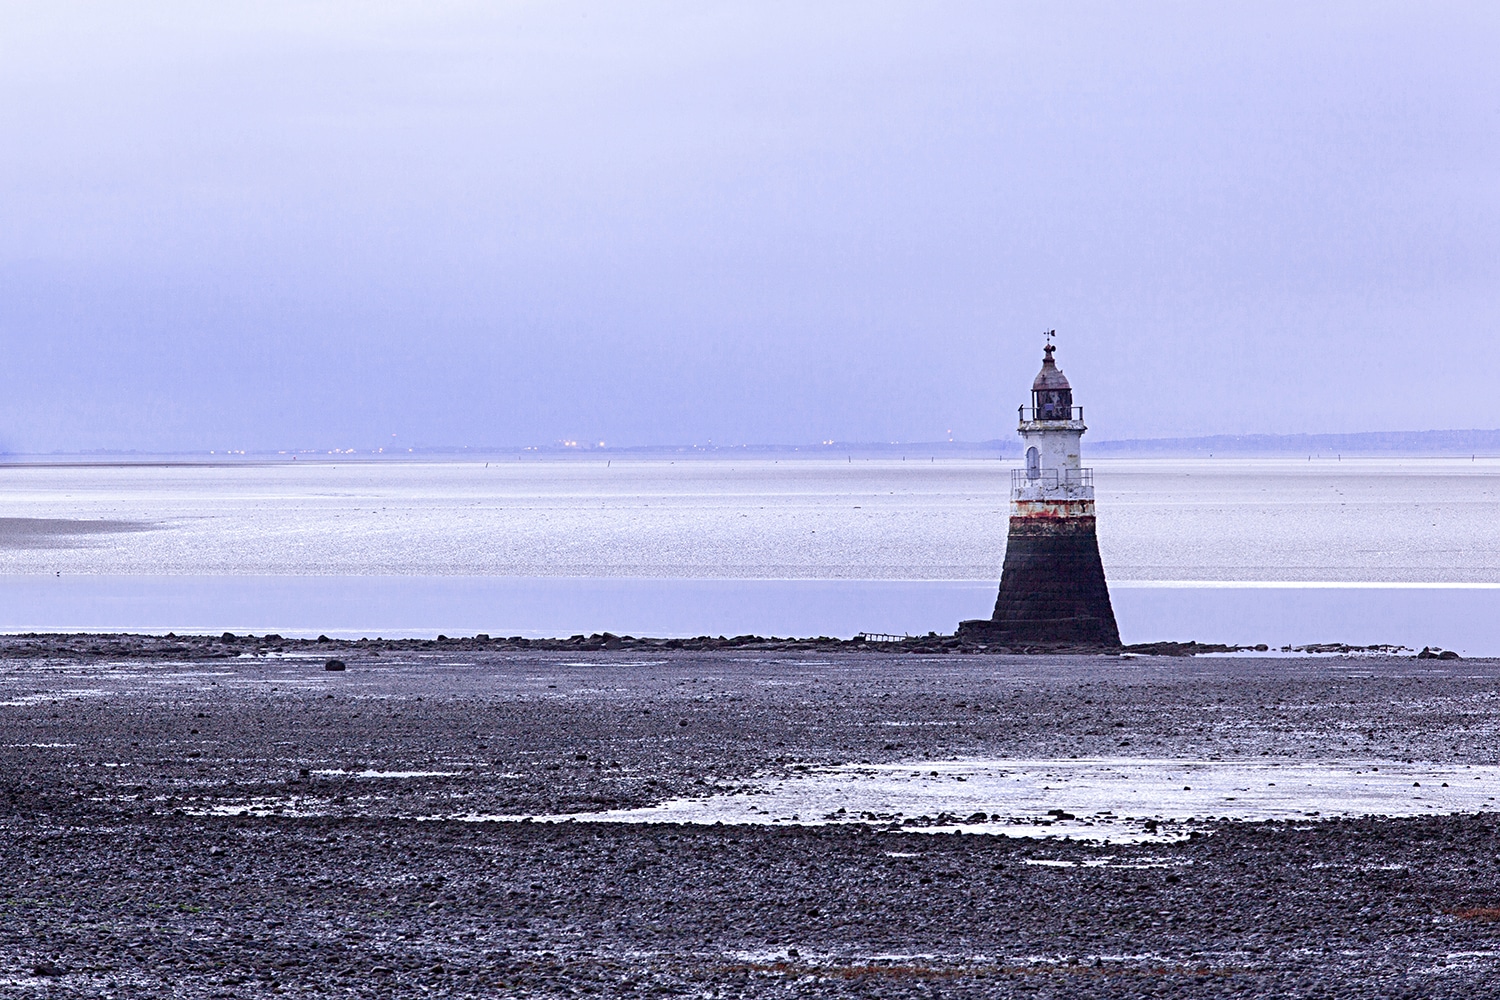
(1052, 589)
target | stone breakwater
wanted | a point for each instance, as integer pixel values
(251, 825)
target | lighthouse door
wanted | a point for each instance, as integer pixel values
(1033, 463)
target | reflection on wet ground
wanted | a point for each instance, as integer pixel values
(1114, 799)
(60, 533)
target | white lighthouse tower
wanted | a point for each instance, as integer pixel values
(1051, 430)
(1052, 589)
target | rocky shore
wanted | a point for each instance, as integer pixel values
(228, 645)
(226, 817)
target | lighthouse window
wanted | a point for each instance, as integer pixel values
(1053, 404)
(1033, 463)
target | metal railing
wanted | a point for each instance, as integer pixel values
(1029, 414)
(1051, 478)
(882, 637)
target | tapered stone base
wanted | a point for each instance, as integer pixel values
(1052, 589)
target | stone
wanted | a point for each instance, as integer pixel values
(1052, 587)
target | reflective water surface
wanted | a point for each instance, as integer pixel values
(696, 546)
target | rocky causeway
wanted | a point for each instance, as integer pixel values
(227, 817)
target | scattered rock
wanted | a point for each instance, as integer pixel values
(334, 665)
(87, 647)
(108, 870)
(1187, 648)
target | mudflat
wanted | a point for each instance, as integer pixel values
(229, 818)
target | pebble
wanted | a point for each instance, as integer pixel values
(128, 869)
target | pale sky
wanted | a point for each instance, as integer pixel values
(267, 225)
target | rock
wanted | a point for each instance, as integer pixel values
(619, 903)
(1193, 648)
(334, 665)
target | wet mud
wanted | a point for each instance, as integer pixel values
(252, 824)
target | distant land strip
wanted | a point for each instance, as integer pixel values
(1477, 443)
(1463, 442)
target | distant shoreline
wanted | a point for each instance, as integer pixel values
(1477, 443)
(1412, 444)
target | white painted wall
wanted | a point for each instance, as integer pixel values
(1058, 443)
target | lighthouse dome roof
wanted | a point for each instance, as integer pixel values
(1050, 377)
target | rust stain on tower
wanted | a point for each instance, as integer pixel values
(1052, 589)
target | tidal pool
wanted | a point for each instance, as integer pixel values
(1115, 799)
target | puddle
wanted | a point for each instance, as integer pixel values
(1114, 799)
(43, 697)
(340, 772)
(613, 663)
(261, 806)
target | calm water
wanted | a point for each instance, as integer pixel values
(1404, 550)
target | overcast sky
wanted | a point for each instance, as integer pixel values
(267, 225)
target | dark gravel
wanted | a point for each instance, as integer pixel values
(123, 871)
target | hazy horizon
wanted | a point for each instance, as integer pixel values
(1479, 442)
(289, 226)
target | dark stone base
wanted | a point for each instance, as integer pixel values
(1052, 590)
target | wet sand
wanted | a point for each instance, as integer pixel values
(211, 817)
(17, 533)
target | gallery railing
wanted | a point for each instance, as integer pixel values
(1029, 414)
(1050, 478)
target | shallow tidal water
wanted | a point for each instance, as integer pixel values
(1402, 551)
(1107, 799)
